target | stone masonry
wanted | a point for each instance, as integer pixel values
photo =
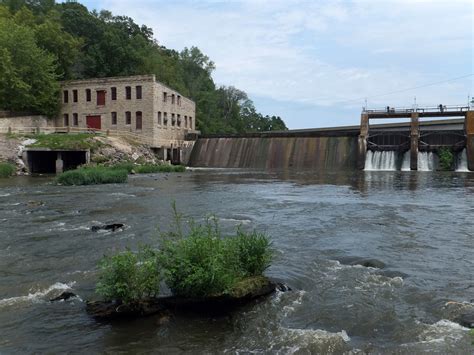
(160, 114)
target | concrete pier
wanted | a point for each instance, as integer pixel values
(414, 137)
(362, 141)
(469, 128)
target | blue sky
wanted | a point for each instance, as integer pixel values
(314, 62)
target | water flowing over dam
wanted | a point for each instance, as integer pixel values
(328, 153)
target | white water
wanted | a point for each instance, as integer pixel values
(426, 161)
(406, 161)
(381, 161)
(461, 163)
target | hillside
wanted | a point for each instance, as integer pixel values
(44, 42)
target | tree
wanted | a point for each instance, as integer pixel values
(29, 80)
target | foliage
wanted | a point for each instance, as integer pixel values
(159, 168)
(92, 176)
(29, 80)
(65, 141)
(62, 41)
(204, 263)
(446, 159)
(254, 253)
(6, 170)
(126, 165)
(129, 277)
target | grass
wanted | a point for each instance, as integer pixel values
(7, 170)
(71, 141)
(159, 168)
(92, 176)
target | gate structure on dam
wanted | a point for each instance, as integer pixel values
(453, 133)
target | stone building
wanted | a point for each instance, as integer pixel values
(137, 104)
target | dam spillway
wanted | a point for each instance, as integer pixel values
(313, 153)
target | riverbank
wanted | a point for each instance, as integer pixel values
(104, 150)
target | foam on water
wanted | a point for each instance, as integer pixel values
(36, 297)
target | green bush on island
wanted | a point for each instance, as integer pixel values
(92, 176)
(129, 277)
(446, 159)
(198, 262)
(7, 170)
(205, 263)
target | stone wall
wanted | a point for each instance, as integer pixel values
(33, 121)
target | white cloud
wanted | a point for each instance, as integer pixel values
(321, 52)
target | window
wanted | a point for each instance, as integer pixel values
(159, 117)
(138, 90)
(113, 93)
(88, 95)
(100, 97)
(165, 118)
(190, 122)
(185, 121)
(179, 100)
(138, 120)
(173, 121)
(65, 96)
(172, 99)
(74, 95)
(114, 118)
(75, 119)
(128, 92)
(128, 117)
(179, 120)
(165, 96)
(66, 119)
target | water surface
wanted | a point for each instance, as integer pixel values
(419, 224)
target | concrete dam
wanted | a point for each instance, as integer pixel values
(394, 146)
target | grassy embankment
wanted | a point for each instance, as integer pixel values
(6, 169)
(200, 263)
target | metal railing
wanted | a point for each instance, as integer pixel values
(439, 108)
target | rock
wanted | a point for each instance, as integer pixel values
(115, 310)
(466, 319)
(112, 227)
(367, 262)
(283, 287)
(63, 296)
(32, 204)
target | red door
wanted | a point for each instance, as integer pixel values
(93, 122)
(101, 98)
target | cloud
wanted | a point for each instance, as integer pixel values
(323, 53)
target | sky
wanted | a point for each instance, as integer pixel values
(315, 63)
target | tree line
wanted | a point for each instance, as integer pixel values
(43, 42)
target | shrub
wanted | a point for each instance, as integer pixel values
(6, 170)
(127, 165)
(446, 159)
(159, 168)
(129, 277)
(204, 263)
(92, 176)
(254, 252)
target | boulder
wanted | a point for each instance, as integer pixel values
(116, 310)
(367, 262)
(108, 227)
(466, 319)
(63, 296)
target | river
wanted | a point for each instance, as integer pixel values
(419, 224)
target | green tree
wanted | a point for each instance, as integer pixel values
(29, 80)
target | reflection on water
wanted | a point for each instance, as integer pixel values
(418, 224)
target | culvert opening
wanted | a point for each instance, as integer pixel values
(44, 161)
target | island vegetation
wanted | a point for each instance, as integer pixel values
(195, 261)
(446, 159)
(44, 42)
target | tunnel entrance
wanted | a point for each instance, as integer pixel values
(54, 161)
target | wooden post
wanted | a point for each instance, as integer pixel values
(362, 141)
(469, 128)
(9, 130)
(414, 138)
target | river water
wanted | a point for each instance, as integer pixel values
(419, 224)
